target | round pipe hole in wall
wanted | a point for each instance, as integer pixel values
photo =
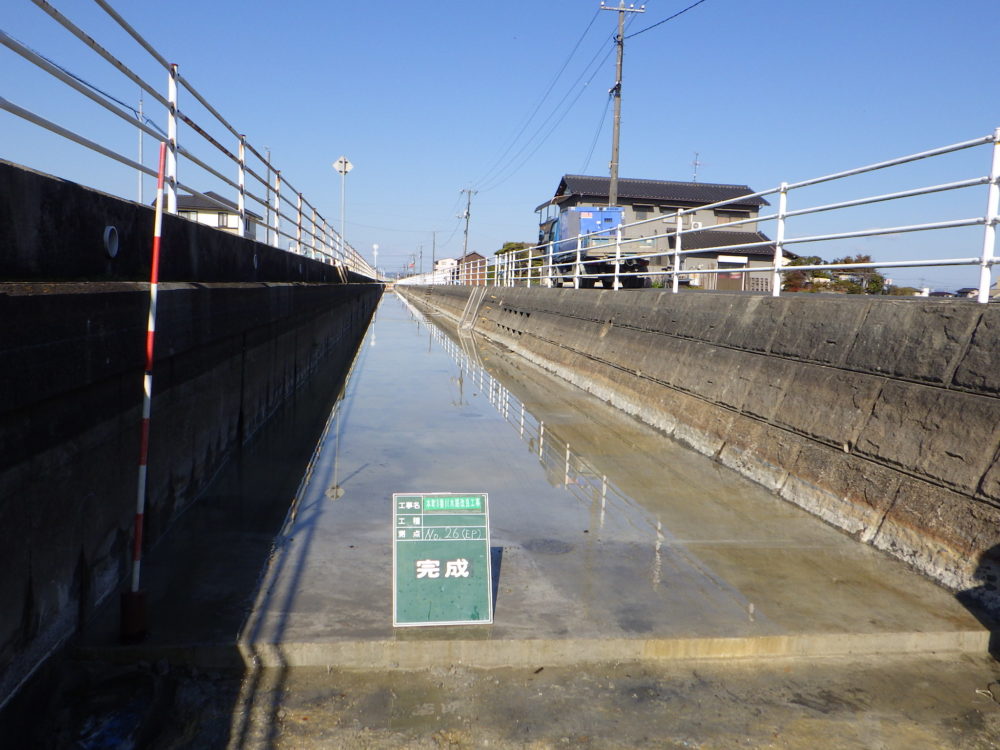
(111, 241)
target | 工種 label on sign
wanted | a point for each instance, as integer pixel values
(441, 559)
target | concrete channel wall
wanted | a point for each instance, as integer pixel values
(880, 416)
(240, 327)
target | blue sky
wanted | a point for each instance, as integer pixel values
(425, 100)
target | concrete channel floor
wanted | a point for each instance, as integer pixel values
(624, 546)
(647, 596)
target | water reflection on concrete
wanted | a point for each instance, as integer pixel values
(608, 528)
(564, 467)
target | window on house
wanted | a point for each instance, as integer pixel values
(725, 217)
(223, 219)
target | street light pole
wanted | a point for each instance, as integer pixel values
(343, 166)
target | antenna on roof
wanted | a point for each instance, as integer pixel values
(695, 164)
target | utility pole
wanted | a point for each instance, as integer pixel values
(616, 91)
(466, 215)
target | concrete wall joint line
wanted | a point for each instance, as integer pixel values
(945, 385)
(894, 466)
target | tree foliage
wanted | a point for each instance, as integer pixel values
(839, 280)
(511, 247)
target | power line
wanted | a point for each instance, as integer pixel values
(597, 135)
(138, 115)
(541, 101)
(501, 178)
(671, 18)
(511, 169)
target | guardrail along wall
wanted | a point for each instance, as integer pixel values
(240, 327)
(880, 416)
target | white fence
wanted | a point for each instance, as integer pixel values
(261, 195)
(552, 264)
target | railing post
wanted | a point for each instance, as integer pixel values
(779, 240)
(330, 244)
(992, 218)
(298, 228)
(276, 208)
(675, 283)
(171, 175)
(242, 198)
(576, 266)
(314, 233)
(548, 267)
(618, 256)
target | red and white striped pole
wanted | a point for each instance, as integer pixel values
(133, 611)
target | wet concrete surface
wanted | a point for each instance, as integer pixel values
(617, 543)
(619, 557)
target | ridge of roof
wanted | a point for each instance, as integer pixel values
(661, 182)
(630, 187)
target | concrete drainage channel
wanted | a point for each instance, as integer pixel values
(624, 686)
(878, 416)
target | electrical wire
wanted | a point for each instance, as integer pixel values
(510, 169)
(597, 135)
(103, 93)
(501, 178)
(489, 173)
(671, 18)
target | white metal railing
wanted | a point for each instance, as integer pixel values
(216, 152)
(554, 263)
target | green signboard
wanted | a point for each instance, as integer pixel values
(441, 559)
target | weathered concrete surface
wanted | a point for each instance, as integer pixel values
(924, 703)
(674, 557)
(72, 358)
(240, 326)
(53, 230)
(880, 416)
(671, 556)
(921, 704)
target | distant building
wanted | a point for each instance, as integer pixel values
(443, 264)
(656, 202)
(218, 212)
(471, 270)
(967, 292)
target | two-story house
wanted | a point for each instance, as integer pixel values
(655, 202)
(218, 212)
